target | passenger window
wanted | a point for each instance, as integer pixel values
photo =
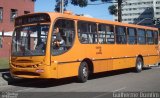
(106, 34)
(87, 32)
(132, 36)
(141, 38)
(150, 37)
(155, 37)
(63, 36)
(121, 35)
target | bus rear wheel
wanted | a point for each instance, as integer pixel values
(83, 72)
(139, 65)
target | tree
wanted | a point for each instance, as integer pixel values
(80, 3)
(114, 10)
(57, 6)
(83, 3)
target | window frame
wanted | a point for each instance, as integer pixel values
(12, 12)
(26, 12)
(1, 14)
(96, 32)
(106, 33)
(54, 22)
(141, 36)
(135, 37)
(1, 42)
(147, 38)
(156, 42)
(124, 35)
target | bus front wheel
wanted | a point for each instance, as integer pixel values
(83, 72)
(139, 64)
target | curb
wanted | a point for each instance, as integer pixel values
(6, 79)
(3, 82)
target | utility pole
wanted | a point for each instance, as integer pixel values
(119, 10)
(61, 6)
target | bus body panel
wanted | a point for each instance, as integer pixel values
(68, 69)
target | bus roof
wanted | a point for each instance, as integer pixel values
(89, 19)
(84, 18)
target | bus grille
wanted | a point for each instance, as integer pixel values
(26, 73)
(28, 66)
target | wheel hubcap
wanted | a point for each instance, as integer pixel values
(85, 72)
(139, 66)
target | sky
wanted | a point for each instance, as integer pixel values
(96, 11)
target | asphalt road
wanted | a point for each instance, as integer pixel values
(98, 86)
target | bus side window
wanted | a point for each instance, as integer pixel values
(106, 34)
(132, 36)
(121, 37)
(155, 37)
(102, 33)
(62, 36)
(82, 32)
(150, 37)
(87, 32)
(141, 37)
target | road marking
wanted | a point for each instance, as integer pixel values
(119, 89)
(104, 94)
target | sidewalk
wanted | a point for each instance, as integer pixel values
(3, 81)
(6, 79)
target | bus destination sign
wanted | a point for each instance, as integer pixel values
(29, 19)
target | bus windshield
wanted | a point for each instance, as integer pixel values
(30, 40)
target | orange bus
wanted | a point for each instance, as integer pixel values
(55, 45)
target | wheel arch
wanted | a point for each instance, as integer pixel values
(90, 65)
(140, 56)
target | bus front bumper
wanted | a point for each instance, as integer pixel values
(39, 72)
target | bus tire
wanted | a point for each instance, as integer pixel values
(139, 65)
(83, 72)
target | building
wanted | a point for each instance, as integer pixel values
(9, 9)
(140, 11)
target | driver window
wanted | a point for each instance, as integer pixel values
(62, 36)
